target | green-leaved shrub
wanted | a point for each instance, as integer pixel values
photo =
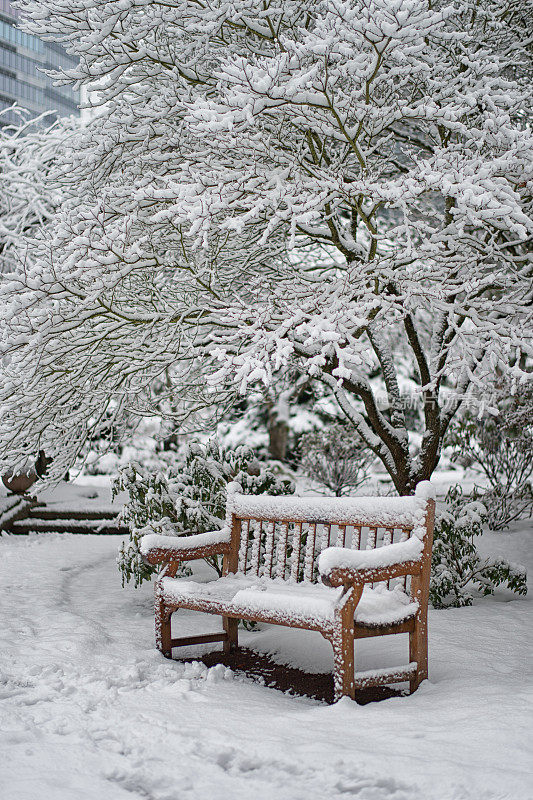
(186, 499)
(456, 566)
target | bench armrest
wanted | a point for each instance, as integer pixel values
(157, 549)
(340, 565)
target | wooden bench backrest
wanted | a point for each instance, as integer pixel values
(283, 537)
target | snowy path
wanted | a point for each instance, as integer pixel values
(90, 711)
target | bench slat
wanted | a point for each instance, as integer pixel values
(382, 677)
(256, 549)
(243, 546)
(388, 538)
(310, 552)
(205, 638)
(296, 549)
(281, 554)
(269, 549)
(357, 530)
(405, 533)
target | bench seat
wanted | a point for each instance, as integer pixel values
(237, 595)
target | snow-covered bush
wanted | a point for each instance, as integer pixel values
(503, 506)
(500, 448)
(456, 566)
(150, 504)
(334, 458)
(187, 498)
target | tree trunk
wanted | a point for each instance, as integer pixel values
(278, 433)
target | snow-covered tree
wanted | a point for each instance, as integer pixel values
(339, 185)
(28, 151)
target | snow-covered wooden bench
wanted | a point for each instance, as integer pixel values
(279, 566)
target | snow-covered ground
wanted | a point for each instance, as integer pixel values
(90, 710)
(84, 494)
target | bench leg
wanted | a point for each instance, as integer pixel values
(163, 628)
(231, 627)
(342, 641)
(343, 676)
(418, 651)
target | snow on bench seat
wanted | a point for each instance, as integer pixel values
(242, 594)
(380, 606)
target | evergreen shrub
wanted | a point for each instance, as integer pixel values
(186, 498)
(457, 568)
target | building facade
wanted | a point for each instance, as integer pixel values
(21, 57)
